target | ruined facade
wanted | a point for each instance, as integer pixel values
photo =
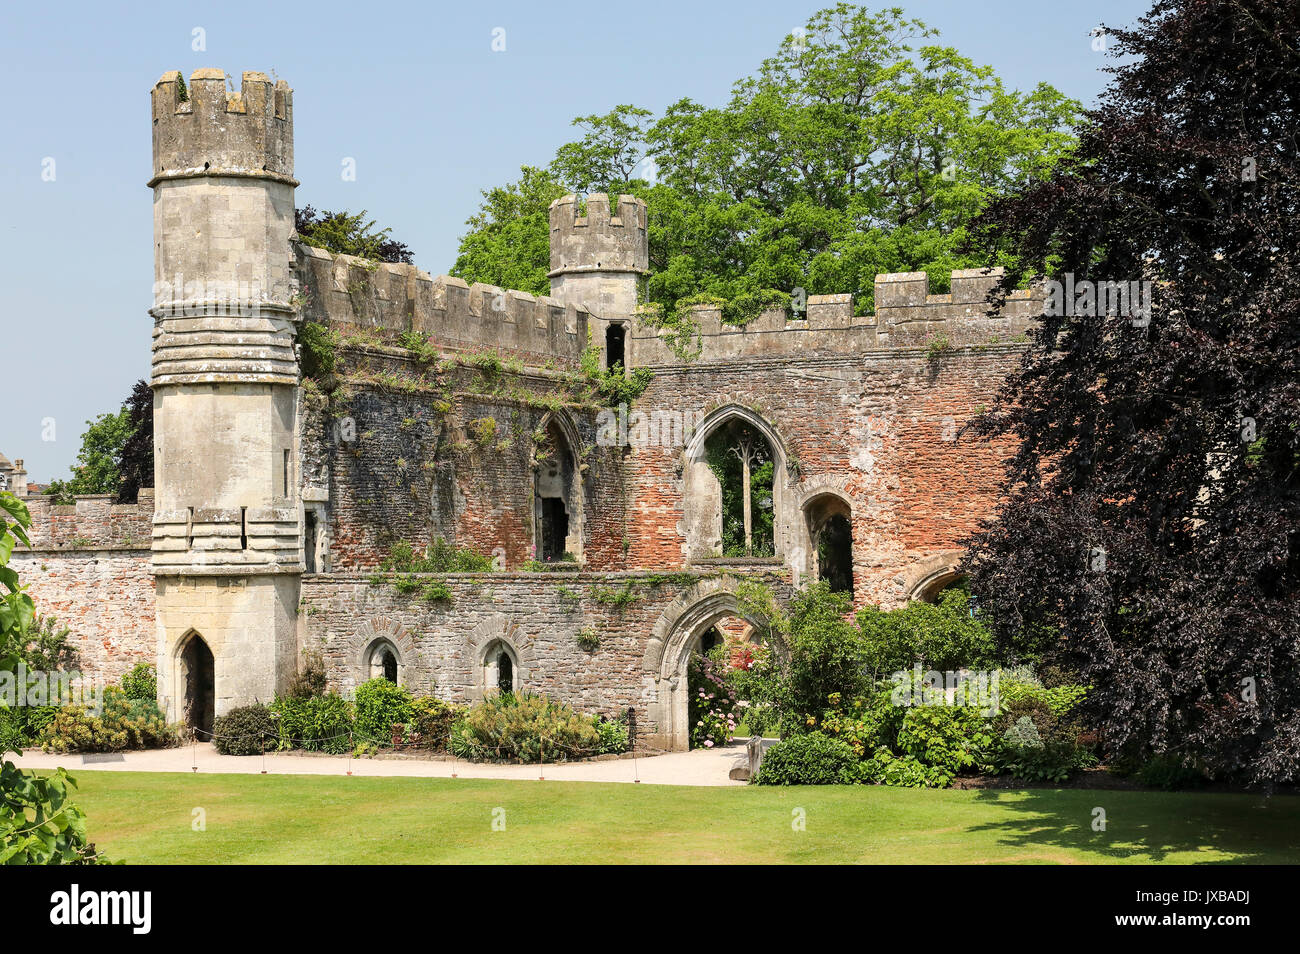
(286, 470)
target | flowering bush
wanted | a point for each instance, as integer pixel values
(712, 703)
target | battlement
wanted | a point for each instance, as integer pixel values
(348, 293)
(906, 316)
(93, 522)
(598, 241)
(215, 132)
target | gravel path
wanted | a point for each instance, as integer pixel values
(699, 767)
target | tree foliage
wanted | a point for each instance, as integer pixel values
(116, 455)
(97, 470)
(135, 460)
(861, 146)
(349, 233)
(1151, 536)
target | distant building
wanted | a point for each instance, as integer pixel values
(13, 477)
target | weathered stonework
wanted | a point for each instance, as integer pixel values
(277, 497)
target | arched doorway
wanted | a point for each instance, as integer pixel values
(933, 587)
(199, 676)
(679, 635)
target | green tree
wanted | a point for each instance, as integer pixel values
(349, 233)
(859, 147)
(98, 470)
(509, 239)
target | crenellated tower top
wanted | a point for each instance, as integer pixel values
(596, 240)
(215, 132)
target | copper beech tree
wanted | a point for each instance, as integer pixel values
(1150, 538)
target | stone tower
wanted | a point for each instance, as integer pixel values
(597, 261)
(226, 551)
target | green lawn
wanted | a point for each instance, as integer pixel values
(146, 818)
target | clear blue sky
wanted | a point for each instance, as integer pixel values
(412, 91)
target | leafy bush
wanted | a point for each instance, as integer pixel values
(949, 739)
(865, 725)
(612, 735)
(320, 723)
(38, 825)
(380, 705)
(248, 730)
(943, 636)
(1053, 761)
(906, 771)
(432, 720)
(809, 759)
(141, 682)
(123, 723)
(523, 727)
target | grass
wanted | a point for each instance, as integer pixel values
(145, 818)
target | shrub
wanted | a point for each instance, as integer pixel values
(1053, 761)
(886, 768)
(320, 723)
(942, 636)
(613, 735)
(432, 720)
(826, 655)
(810, 759)
(141, 682)
(310, 679)
(122, 724)
(523, 727)
(949, 739)
(860, 729)
(248, 730)
(380, 705)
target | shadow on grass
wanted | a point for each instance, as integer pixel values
(1150, 826)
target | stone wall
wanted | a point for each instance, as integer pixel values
(89, 567)
(104, 596)
(906, 315)
(346, 293)
(443, 649)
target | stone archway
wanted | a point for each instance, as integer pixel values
(674, 637)
(928, 578)
(375, 638)
(488, 642)
(196, 667)
(702, 494)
